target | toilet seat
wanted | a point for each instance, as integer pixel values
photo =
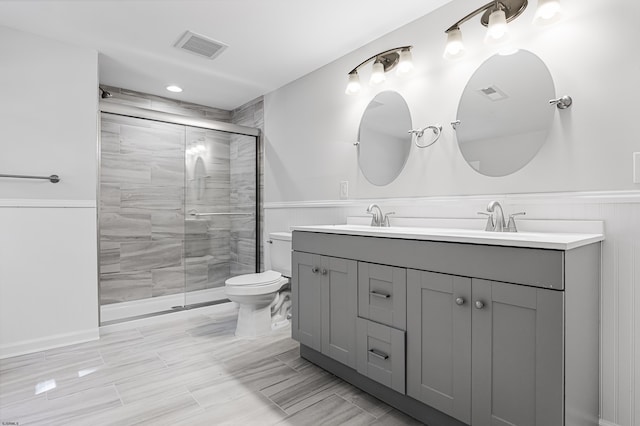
(254, 284)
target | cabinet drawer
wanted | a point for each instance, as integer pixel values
(380, 354)
(382, 294)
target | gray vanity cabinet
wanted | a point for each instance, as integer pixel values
(517, 355)
(439, 342)
(501, 343)
(454, 334)
(305, 292)
(338, 304)
(324, 290)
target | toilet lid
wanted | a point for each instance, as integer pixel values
(262, 278)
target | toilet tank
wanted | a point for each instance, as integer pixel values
(280, 252)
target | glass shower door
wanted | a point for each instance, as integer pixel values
(141, 215)
(220, 212)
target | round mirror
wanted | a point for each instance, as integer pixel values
(384, 141)
(504, 113)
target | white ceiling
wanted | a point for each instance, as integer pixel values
(271, 42)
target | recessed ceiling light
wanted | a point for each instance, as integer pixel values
(174, 89)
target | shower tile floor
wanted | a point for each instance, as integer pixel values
(185, 371)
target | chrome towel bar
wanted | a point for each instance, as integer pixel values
(52, 178)
(196, 214)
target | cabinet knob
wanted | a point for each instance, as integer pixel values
(315, 269)
(479, 304)
(324, 271)
(459, 301)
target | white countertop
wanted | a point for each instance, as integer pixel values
(544, 240)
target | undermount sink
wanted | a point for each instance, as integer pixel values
(547, 240)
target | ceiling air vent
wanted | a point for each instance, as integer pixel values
(200, 45)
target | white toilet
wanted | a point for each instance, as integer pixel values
(264, 301)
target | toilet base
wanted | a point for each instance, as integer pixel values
(253, 322)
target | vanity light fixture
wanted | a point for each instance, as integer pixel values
(497, 30)
(495, 16)
(383, 62)
(455, 46)
(377, 73)
(174, 89)
(547, 12)
(353, 86)
(405, 64)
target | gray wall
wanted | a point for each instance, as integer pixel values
(310, 124)
(48, 268)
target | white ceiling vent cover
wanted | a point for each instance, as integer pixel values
(200, 45)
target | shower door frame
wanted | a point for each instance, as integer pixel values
(165, 117)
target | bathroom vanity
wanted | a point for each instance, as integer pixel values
(451, 326)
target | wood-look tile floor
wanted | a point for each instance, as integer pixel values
(187, 371)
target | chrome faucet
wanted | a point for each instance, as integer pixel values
(377, 218)
(497, 215)
(496, 221)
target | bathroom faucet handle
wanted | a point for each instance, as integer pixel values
(490, 225)
(385, 221)
(511, 226)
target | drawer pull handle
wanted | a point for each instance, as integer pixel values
(459, 301)
(324, 271)
(315, 269)
(479, 304)
(378, 354)
(380, 295)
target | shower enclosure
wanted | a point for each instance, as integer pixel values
(178, 210)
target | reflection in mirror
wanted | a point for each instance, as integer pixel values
(504, 113)
(384, 141)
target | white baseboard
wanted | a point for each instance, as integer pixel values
(50, 342)
(134, 308)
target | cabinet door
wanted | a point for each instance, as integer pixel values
(305, 291)
(339, 309)
(382, 294)
(439, 342)
(517, 355)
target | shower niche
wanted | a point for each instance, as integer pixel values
(178, 211)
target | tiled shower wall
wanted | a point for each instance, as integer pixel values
(142, 233)
(141, 204)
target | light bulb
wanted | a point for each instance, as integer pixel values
(174, 89)
(405, 65)
(454, 47)
(377, 74)
(497, 30)
(548, 11)
(353, 86)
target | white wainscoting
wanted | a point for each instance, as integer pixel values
(620, 294)
(48, 274)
